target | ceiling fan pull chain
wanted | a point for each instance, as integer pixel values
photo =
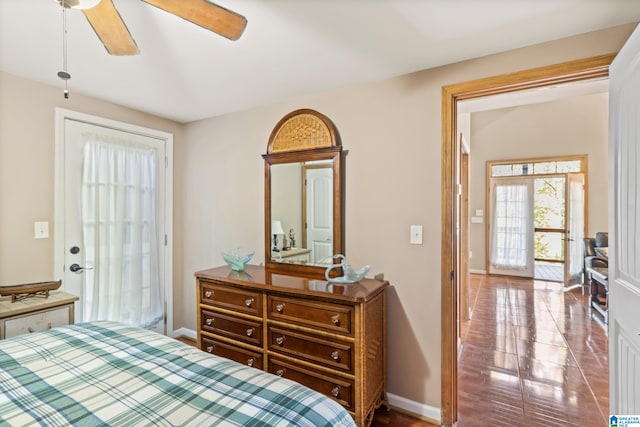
(64, 75)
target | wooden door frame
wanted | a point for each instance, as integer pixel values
(573, 71)
(464, 280)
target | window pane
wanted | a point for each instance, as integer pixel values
(540, 168)
(544, 167)
(548, 246)
(568, 166)
(501, 170)
(523, 169)
(517, 170)
(548, 209)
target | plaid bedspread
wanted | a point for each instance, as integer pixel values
(104, 373)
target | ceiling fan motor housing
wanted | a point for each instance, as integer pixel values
(78, 4)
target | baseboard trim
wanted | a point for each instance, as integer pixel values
(413, 408)
(184, 332)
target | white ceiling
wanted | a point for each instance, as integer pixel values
(290, 47)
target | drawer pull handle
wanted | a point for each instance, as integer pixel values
(209, 321)
(250, 362)
(335, 319)
(280, 372)
(279, 308)
(335, 392)
(335, 355)
(280, 340)
(250, 331)
(31, 330)
(208, 294)
(249, 301)
(209, 349)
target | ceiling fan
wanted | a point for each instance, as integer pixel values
(113, 33)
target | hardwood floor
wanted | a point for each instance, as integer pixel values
(532, 355)
(187, 340)
(382, 418)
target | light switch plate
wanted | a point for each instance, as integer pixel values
(41, 229)
(416, 235)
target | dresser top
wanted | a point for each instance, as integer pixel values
(257, 277)
(31, 304)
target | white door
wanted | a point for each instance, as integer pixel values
(78, 255)
(624, 230)
(511, 227)
(319, 212)
(574, 224)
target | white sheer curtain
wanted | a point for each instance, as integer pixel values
(118, 205)
(512, 224)
(576, 225)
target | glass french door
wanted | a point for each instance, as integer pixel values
(511, 226)
(86, 254)
(537, 220)
(574, 220)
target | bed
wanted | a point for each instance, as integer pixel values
(105, 373)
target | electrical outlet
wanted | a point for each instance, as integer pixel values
(416, 235)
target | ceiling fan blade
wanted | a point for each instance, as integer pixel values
(210, 16)
(111, 30)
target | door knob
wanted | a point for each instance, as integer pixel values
(76, 268)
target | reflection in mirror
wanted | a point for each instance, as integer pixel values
(302, 205)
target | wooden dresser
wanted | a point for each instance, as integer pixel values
(35, 313)
(328, 337)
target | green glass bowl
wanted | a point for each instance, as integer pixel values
(236, 260)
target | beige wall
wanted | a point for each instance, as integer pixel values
(27, 136)
(564, 127)
(392, 130)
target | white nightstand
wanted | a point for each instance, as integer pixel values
(35, 313)
(293, 255)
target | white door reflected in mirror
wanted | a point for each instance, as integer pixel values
(302, 204)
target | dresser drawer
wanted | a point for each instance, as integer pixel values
(332, 354)
(339, 389)
(237, 354)
(325, 316)
(232, 327)
(235, 299)
(37, 321)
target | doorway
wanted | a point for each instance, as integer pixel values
(591, 68)
(537, 218)
(113, 208)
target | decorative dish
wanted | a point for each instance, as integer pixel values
(18, 292)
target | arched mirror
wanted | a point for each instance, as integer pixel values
(303, 193)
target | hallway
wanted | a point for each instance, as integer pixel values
(532, 355)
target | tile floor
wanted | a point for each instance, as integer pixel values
(532, 355)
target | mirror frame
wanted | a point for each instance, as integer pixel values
(302, 136)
